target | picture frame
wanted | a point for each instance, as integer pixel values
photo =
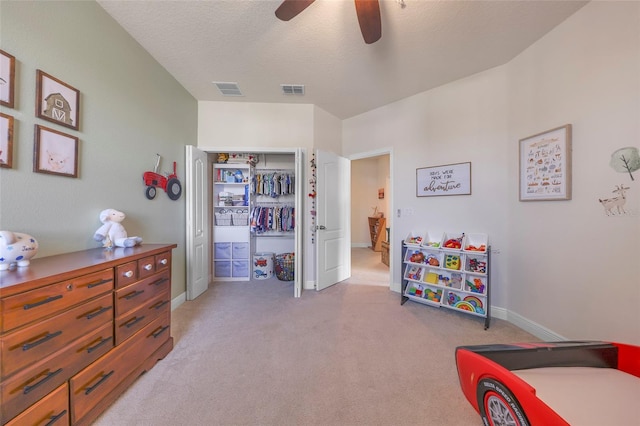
(449, 179)
(7, 79)
(6, 141)
(54, 152)
(56, 101)
(545, 165)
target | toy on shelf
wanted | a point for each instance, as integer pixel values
(476, 265)
(476, 286)
(417, 257)
(454, 243)
(452, 261)
(432, 260)
(414, 273)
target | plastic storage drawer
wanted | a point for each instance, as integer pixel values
(240, 250)
(240, 268)
(222, 268)
(222, 251)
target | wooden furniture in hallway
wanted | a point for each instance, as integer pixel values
(377, 231)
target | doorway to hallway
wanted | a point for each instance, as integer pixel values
(370, 197)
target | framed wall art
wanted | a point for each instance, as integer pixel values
(545, 165)
(7, 79)
(55, 152)
(450, 179)
(6, 141)
(56, 101)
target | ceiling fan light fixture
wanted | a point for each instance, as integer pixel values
(292, 89)
(228, 88)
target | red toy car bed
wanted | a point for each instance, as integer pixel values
(553, 383)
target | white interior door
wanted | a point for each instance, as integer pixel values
(298, 276)
(333, 219)
(197, 222)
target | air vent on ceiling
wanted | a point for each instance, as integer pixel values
(292, 89)
(228, 89)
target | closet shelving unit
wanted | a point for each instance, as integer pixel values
(232, 201)
(453, 276)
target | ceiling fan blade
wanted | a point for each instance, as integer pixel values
(290, 8)
(368, 12)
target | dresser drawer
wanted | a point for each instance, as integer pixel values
(132, 296)
(94, 383)
(126, 274)
(146, 267)
(29, 306)
(52, 410)
(29, 345)
(163, 261)
(131, 322)
(28, 386)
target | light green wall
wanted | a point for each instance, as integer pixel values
(130, 109)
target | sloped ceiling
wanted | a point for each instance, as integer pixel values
(425, 44)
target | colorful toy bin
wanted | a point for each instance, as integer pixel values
(262, 266)
(285, 266)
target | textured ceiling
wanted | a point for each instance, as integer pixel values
(424, 44)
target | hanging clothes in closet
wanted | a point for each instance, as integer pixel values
(272, 218)
(273, 184)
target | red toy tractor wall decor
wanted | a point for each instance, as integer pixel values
(169, 183)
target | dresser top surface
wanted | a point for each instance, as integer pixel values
(50, 269)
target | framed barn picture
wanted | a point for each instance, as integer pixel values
(56, 101)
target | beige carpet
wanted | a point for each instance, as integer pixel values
(251, 354)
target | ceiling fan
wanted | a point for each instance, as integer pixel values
(368, 12)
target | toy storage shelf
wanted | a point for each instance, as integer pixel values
(455, 277)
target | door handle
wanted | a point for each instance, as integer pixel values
(322, 227)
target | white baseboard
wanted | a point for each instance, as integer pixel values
(527, 325)
(178, 300)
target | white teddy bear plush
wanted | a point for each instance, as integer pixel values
(112, 233)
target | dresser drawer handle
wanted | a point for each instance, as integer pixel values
(102, 379)
(48, 337)
(128, 274)
(56, 418)
(48, 376)
(133, 294)
(99, 282)
(92, 315)
(42, 302)
(160, 331)
(100, 343)
(159, 304)
(148, 267)
(163, 261)
(133, 321)
(160, 281)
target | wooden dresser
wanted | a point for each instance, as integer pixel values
(77, 329)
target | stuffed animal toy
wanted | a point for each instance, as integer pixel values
(112, 233)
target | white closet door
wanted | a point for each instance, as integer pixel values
(333, 219)
(197, 231)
